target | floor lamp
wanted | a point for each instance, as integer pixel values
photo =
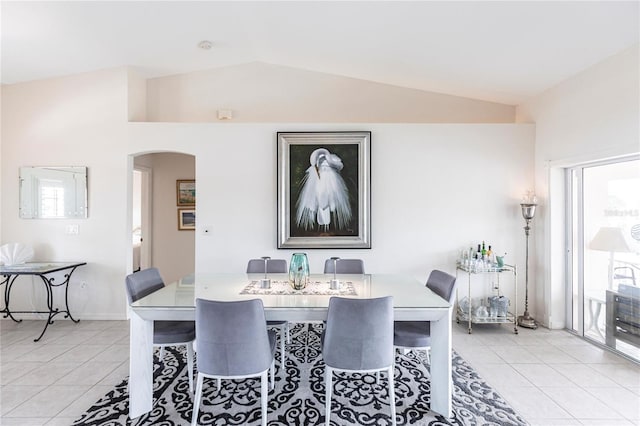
(612, 240)
(528, 211)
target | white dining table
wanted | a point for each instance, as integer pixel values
(412, 301)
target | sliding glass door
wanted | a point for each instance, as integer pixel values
(604, 253)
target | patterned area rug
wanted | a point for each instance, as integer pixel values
(299, 400)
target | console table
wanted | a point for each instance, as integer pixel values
(11, 272)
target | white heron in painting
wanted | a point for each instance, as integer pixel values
(324, 194)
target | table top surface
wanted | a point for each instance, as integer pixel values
(407, 292)
(37, 268)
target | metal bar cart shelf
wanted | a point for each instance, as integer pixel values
(468, 316)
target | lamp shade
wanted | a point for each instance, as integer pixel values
(609, 239)
(528, 210)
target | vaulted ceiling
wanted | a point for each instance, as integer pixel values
(498, 51)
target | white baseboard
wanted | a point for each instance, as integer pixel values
(60, 317)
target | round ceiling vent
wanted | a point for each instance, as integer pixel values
(205, 45)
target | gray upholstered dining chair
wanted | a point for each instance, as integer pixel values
(165, 333)
(233, 343)
(417, 334)
(344, 266)
(358, 338)
(274, 266)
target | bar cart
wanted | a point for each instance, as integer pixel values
(471, 317)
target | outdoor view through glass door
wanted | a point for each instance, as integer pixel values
(604, 253)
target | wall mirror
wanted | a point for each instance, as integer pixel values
(53, 192)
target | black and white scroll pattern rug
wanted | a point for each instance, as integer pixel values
(299, 399)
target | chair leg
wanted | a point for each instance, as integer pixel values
(219, 384)
(327, 399)
(288, 334)
(428, 351)
(377, 377)
(196, 400)
(161, 355)
(272, 370)
(263, 397)
(190, 365)
(392, 397)
(282, 350)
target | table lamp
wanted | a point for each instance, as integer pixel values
(612, 240)
(335, 283)
(265, 282)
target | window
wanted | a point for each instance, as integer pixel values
(51, 198)
(604, 247)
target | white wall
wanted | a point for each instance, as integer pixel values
(136, 96)
(436, 188)
(1, 139)
(259, 92)
(593, 115)
(71, 121)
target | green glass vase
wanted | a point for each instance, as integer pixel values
(299, 271)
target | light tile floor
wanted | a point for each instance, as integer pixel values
(549, 377)
(552, 377)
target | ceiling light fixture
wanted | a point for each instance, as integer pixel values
(205, 45)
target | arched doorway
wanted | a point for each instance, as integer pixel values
(157, 237)
(142, 237)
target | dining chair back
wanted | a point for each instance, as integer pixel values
(410, 335)
(358, 338)
(143, 283)
(344, 266)
(233, 343)
(165, 333)
(274, 266)
(442, 284)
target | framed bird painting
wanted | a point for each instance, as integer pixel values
(324, 194)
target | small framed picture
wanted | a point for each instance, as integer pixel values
(186, 219)
(186, 192)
